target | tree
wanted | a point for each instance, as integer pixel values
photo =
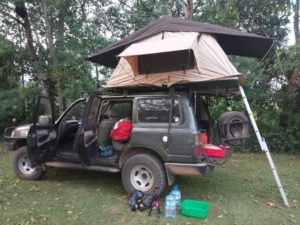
(58, 35)
(296, 8)
(21, 18)
(10, 72)
(294, 81)
(188, 9)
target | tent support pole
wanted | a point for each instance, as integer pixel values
(264, 148)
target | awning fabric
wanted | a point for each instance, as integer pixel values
(209, 61)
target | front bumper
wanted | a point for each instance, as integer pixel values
(8, 141)
(11, 143)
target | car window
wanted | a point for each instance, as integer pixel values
(122, 109)
(157, 110)
(92, 116)
(76, 112)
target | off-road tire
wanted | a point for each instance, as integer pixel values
(154, 167)
(230, 130)
(22, 167)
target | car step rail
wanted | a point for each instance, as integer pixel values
(69, 165)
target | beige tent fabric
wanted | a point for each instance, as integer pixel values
(211, 63)
(164, 42)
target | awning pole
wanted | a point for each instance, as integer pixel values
(264, 148)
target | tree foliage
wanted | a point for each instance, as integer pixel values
(43, 45)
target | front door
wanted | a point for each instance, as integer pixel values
(86, 138)
(42, 136)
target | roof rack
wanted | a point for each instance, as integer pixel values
(221, 88)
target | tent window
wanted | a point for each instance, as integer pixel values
(157, 110)
(166, 62)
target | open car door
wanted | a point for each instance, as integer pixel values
(42, 136)
(86, 138)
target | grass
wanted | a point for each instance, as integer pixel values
(240, 192)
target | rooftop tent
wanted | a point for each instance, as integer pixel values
(172, 58)
(233, 42)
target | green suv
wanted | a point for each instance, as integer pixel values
(165, 138)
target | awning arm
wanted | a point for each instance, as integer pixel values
(264, 148)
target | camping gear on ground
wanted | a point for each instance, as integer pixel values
(105, 150)
(154, 202)
(121, 131)
(155, 205)
(194, 208)
(139, 201)
(136, 200)
(177, 194)
(170, 206)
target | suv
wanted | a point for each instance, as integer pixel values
(165, 139)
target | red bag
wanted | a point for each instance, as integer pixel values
(121, 131)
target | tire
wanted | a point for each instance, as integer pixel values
(144, 172)
(234, 124)
(22, 166)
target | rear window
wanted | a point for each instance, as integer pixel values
(157, 110)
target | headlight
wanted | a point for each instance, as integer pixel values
(20, 132)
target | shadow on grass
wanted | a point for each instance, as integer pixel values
(210, 187)
(87, 179)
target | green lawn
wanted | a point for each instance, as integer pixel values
(240, 192)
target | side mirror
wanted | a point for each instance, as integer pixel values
(44, 120)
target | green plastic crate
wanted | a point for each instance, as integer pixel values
(194, 208)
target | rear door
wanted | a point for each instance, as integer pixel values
(86, 138)
(42, 136)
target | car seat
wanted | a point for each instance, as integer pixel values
(105, 126)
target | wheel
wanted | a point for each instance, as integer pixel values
(143, 172)
(234, 124)
(22, 166)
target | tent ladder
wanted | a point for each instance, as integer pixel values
(264, 148)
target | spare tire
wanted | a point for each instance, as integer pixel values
(234, 126)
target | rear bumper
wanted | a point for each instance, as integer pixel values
(204, 167)
(197, 169)
(187, 169)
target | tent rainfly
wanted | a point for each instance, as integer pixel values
(170, 58)
(233, 42)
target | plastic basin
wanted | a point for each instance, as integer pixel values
(194, 208)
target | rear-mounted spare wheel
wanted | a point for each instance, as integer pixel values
(233, 127)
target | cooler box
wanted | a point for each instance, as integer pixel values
(194, 208)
